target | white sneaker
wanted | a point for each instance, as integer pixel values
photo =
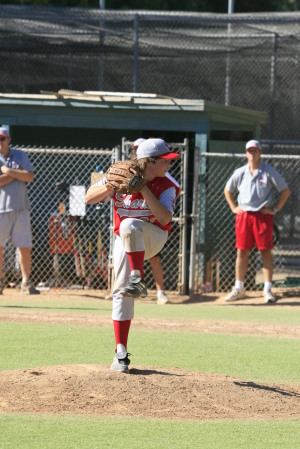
(162, 298)
(236, 293)
(269, 297)
(109, 297)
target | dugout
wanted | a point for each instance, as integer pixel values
(101, 119)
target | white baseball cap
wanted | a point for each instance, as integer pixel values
(137, 142)
(155, 148)
(253, 144)
(4, 132)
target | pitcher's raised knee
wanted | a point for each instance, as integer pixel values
(131, 233)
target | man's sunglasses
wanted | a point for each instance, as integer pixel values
(2, 139)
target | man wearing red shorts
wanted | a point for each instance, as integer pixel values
(254, 183)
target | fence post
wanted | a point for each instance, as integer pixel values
(135, 52)
(272, 89)
(101, 45)
(228, 58)
(184, 216)
(194, 222)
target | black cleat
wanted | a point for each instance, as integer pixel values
(135, 287)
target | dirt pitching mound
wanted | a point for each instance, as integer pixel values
(147, 392)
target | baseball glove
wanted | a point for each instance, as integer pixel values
(124, 177)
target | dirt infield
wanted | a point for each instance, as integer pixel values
(149, 392)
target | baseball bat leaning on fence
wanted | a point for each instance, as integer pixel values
(60, 222)
(82, 258)
(102, 261)
(76, 253)
(85, 250)
(102, 258)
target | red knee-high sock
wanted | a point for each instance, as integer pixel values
(121, 329)
(136, 260)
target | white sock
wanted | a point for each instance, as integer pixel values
(239, 284)
(159, 292)
(121, 348)
(135, 273)
(267, 286)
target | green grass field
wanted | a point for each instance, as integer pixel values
(264, 359)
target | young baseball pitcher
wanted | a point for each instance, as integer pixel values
(155, 262)
(144, 201)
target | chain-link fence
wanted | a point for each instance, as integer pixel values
(246, 60)
(213, 237)
(72, 241)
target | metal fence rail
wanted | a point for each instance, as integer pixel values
(213, 237)
(72, 241)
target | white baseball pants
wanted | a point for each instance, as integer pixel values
(135, 235)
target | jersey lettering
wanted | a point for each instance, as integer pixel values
(135, 206)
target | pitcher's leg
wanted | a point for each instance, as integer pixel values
(141, 240)
(122, 308)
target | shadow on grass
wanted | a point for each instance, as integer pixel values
(263, 304)
(194, 299)
(267, 388)
(51, 308)
(149, 372)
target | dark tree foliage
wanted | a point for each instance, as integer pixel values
(218, 6)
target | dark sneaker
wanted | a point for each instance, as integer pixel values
(1, 286)
(28, 289)
(135, 287)
(121, 363)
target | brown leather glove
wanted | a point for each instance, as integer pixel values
(124, 177)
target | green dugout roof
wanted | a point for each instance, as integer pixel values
(117, 110)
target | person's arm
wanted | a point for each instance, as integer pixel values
(5, 179)
(161, 213)
(231, 201)
(21, 175)
(95, 194)
(283, 197)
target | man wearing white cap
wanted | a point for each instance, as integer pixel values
(15, 171)
(155, 262)
(142, 223)
(254, 183)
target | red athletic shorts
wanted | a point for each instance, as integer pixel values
(253, 227)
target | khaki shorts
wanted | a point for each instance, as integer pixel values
(16, 226)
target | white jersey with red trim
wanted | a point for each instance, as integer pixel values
(135, 206)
